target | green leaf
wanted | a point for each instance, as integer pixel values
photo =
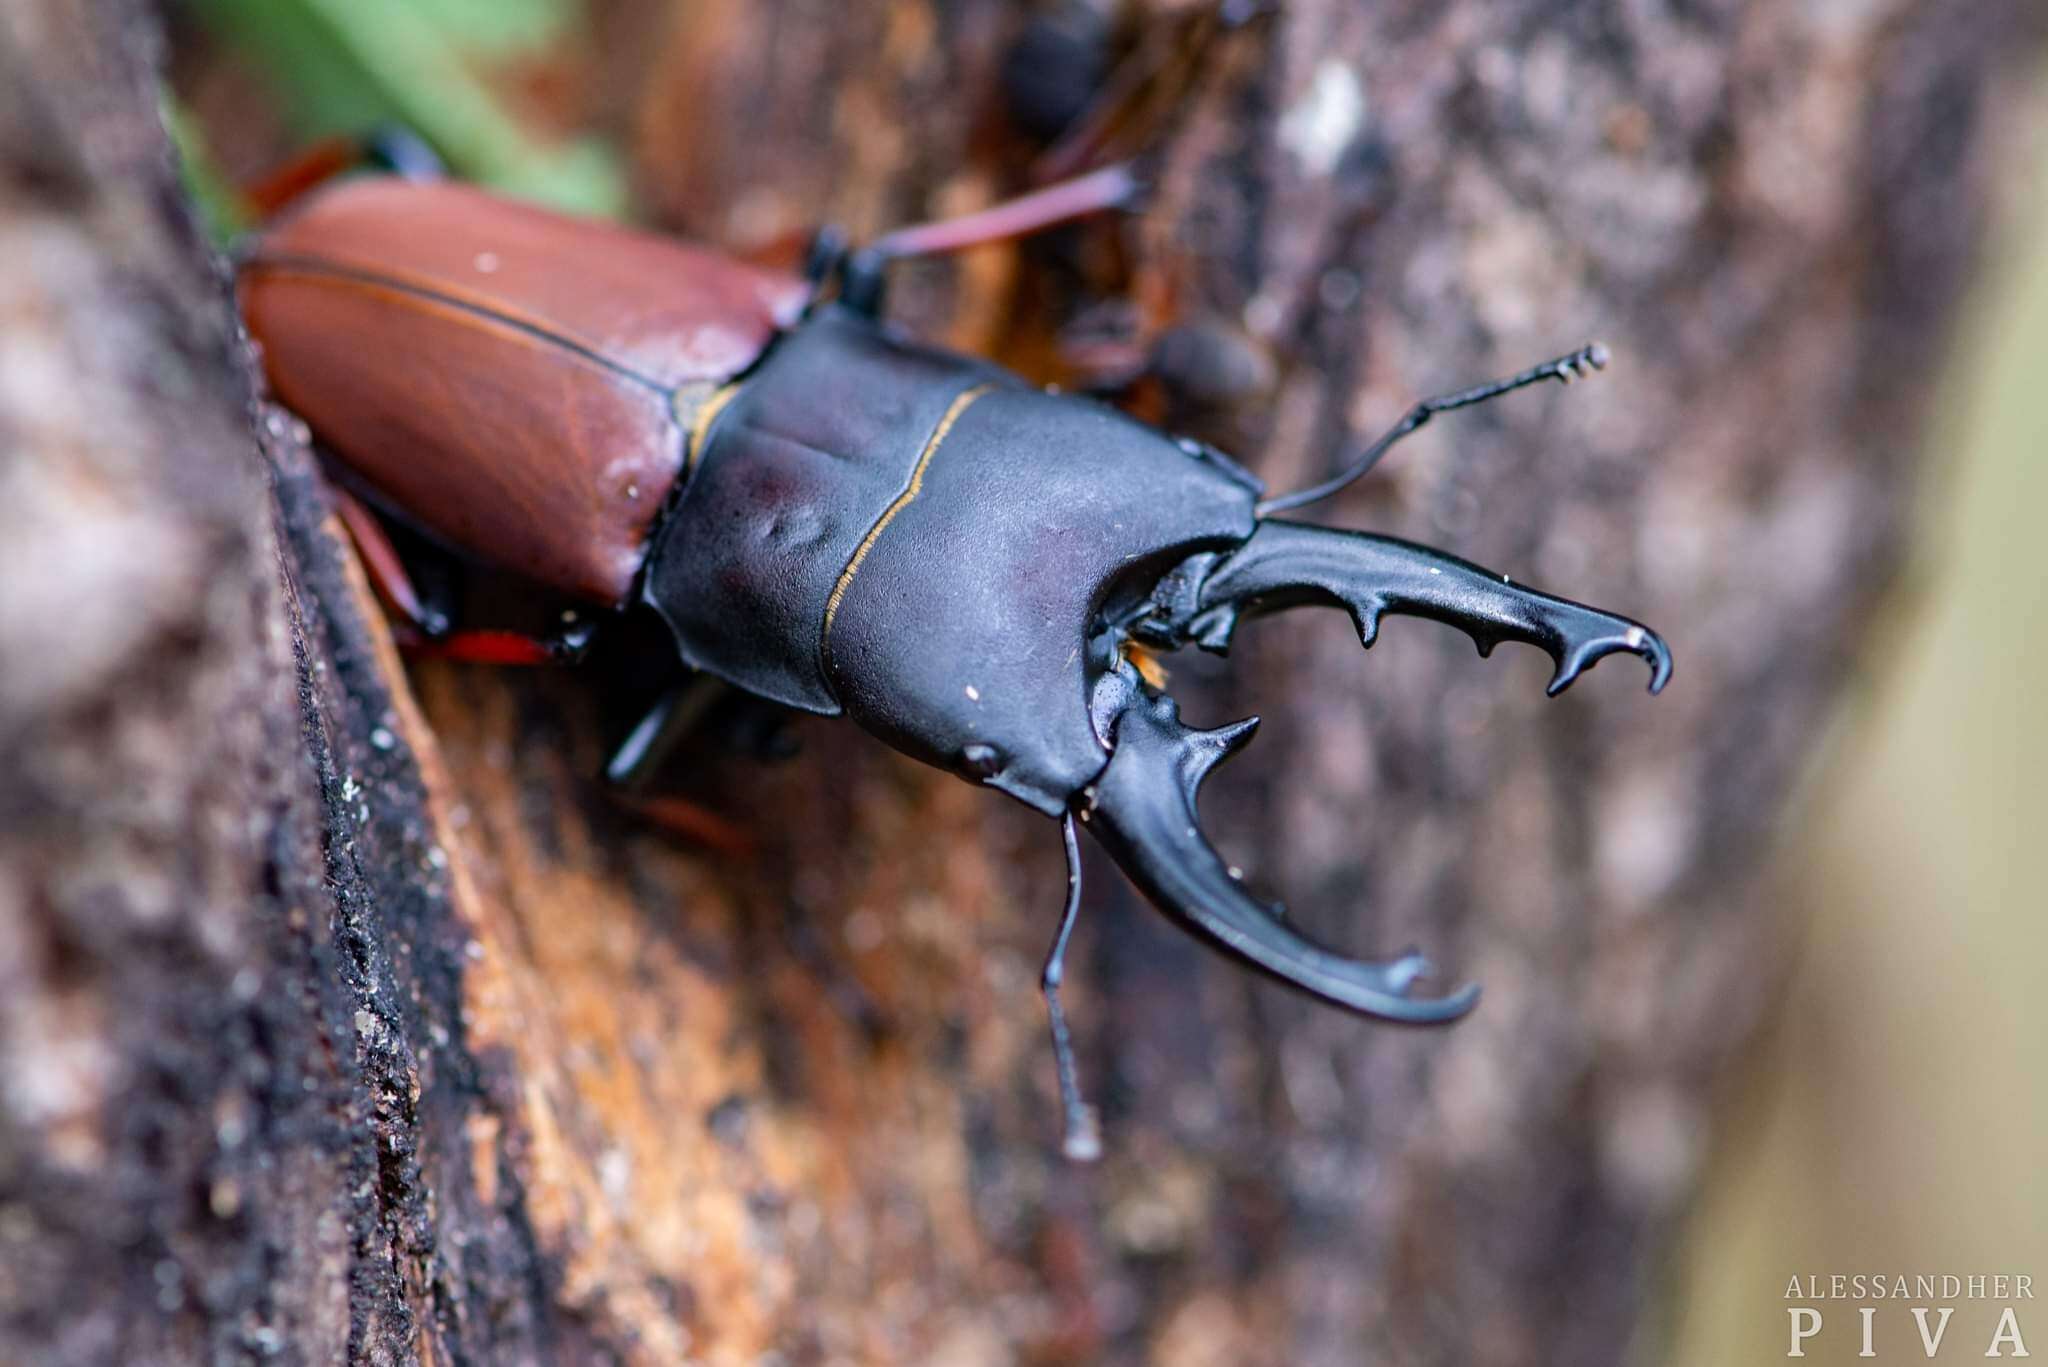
(345, 66)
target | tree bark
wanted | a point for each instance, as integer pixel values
(343, 1017)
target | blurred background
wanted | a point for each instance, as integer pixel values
(1893, 1118)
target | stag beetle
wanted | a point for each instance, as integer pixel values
(840, 520)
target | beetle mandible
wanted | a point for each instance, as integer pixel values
(835, 518)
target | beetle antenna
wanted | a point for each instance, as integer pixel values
(1083, 1141)
(1564, 370)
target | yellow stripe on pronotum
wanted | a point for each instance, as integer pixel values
(700, 426)
(960, 405)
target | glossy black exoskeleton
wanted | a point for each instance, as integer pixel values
(959, 561)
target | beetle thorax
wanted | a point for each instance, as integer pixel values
(925, 542)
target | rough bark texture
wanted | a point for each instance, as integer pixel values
(341, 1016)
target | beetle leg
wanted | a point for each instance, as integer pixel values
(384, 567)
(647, 750)
(1111, 187)
(1142, 808)
(316, 165)
(420, 629)
(1083, 1139)
(863, 274)
(1286, 564)
(391, 147)
(693, 821)
(396, 148)
(425, 630)
(1141, 92)
(749, 725)
(482, 646)
(654, 739)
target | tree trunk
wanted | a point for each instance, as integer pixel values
(343, 1016)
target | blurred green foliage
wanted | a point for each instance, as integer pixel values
(222, 211)
(345, 66)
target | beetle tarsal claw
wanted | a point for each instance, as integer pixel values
(1144, 814)
(1287, 564)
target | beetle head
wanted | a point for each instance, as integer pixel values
(984, 630)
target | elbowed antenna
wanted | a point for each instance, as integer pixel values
(1143, 812)
(1573, 366)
